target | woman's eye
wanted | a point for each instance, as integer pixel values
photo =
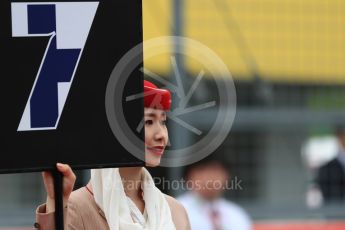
(148, 122)
(164, 122)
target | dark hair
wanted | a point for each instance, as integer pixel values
(208, 161)
(340, 130)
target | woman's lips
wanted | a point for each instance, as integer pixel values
(158, 150)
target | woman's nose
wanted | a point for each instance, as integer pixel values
(159, 134)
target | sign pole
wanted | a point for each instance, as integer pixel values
(58, 188)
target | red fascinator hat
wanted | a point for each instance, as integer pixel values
(156, 98)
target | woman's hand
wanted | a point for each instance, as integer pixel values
(68, 184)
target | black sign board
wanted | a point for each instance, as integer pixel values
(56, 60)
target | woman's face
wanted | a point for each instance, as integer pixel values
(156, 135)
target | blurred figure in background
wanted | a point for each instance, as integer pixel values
(207, 210)
(331, 176)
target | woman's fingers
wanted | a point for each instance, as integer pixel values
(69, 178)
(48, 183)
(65, 169)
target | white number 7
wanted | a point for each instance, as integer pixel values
(68, 25)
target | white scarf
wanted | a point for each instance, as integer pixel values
(110, 197)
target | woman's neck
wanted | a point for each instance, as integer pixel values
(131, 180)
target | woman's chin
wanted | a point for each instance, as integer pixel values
(150, 162)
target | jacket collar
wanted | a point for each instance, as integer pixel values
(90, 191)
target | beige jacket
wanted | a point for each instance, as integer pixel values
(81, 213)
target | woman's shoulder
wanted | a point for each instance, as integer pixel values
(79, 196)
(82, 200)
(178, 213)
(82, 203)
(83, 212)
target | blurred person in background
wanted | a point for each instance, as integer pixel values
(331, 176)
(207, 210)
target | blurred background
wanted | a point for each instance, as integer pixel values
(287, 60)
